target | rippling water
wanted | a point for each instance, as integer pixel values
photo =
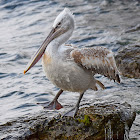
(24, 26)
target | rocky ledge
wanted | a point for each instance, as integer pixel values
(103, 121)
(128, 61)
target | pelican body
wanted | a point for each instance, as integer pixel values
(65, 73)
(70, 68)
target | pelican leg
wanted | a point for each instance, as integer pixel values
(74, 111)
(54, 104)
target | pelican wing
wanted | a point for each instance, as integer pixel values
(98, 59)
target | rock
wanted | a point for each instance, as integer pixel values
(99, 122)
(128, 61)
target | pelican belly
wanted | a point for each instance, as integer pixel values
(66, 75)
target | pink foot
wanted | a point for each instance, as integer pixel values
(51, 106)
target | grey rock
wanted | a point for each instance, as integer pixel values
(102, 121)
(128, 61)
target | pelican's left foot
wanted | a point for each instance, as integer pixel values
(72, 112)
(52, 106)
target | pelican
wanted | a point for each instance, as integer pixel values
(71, 68)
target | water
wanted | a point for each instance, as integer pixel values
(24, 26)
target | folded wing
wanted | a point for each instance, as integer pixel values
(98, 59)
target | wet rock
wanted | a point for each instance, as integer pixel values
(128, 61)
(101, 121)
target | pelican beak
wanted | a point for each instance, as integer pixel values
(36, 57)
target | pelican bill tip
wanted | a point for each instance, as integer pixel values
(24, 71)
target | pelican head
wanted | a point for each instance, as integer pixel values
(62, 29)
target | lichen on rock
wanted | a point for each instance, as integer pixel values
(102, 121)
(98, 122)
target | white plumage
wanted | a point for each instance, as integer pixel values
(71, 68)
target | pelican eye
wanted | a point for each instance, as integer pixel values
(58, 25)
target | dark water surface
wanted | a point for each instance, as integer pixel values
(24, 26)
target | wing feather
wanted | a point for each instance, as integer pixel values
(98, 59)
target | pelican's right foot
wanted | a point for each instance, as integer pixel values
(72, 112)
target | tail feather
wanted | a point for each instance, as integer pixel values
(117, 78)
(100, 84)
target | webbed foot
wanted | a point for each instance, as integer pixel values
(72, 112)
(52, 105)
